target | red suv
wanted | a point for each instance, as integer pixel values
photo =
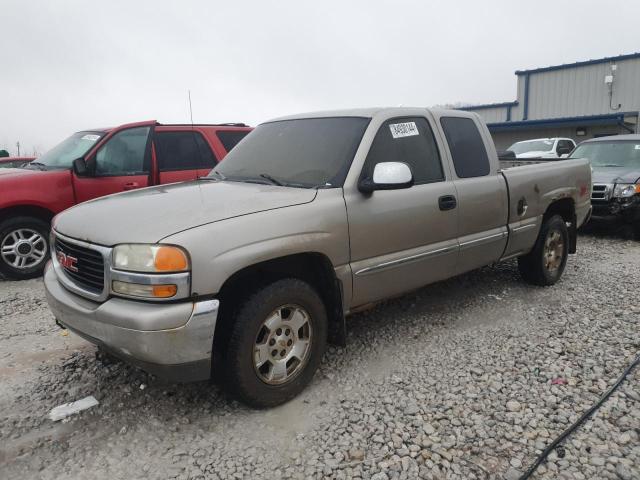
(94, 163)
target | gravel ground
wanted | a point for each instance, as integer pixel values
(466, 379)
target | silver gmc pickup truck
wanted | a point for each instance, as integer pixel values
(248, 272)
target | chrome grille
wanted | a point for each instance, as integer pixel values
(89, 265)
(601, 191)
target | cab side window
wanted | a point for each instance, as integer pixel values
(124, 154)
(564, 146)
(184, 150)
(408, 140)
(467, 148)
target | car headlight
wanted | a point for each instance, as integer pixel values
(154, 272)
(150, 258)
(626, 190)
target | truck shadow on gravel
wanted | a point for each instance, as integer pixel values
(125, 391)
(130, 399)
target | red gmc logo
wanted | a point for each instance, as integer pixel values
(67, 261)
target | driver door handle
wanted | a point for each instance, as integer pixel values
(130, 185)
(447, 202)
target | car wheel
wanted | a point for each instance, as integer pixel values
(545, 263)
(276, 342)
(24, 247)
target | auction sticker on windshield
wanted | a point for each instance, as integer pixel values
(399, 130)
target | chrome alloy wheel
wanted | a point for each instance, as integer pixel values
(23, 248)
(553, 251)
(283, 345)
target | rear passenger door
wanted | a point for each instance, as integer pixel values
(182, 155)
(481, 193)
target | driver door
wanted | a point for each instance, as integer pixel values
(121, 163)
(403, 239)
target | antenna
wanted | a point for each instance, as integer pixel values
(190, 109)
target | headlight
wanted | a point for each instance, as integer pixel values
(626, 190)
(154, 272)
(150, 258)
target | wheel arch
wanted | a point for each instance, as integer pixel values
(35, 211)
(312, 267)
(566, 208)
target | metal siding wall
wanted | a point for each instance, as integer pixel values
(517, 110)
(581, 91)
(493, 115)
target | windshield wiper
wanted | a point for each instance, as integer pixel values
(608, 165)
(272, 180)
(41, 166)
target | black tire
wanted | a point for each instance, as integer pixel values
(7, 229)
(239, 374)
(533, 266)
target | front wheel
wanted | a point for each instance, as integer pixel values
(276, 342)
(24, 247)
(545, 263)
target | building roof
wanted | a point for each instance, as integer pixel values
(581, 121)
(489, 105)
(584, 63)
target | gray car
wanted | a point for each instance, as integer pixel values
(252, 269)
(615, 162)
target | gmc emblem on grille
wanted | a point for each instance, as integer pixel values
(67, 261)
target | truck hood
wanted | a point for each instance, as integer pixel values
(615, 174)
(151, 214)
(11, 173)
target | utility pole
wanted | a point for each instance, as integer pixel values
(18, 145)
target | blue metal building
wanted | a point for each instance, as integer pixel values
(577, 100)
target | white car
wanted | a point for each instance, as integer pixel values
(543, 148)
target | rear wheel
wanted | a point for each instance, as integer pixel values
(276, 342)
(545, 263)
(24, 247)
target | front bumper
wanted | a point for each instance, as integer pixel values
(615, 210)
(173, 341)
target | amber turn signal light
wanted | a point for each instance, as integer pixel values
(170, 259)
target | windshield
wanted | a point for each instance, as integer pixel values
(610, 154)
(63, 154)
(311, 152)
(531, 146)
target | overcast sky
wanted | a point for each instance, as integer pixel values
(72, 65)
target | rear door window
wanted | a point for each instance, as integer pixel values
(468, 152)
(184, 150)
(230, 138)
(408, 140)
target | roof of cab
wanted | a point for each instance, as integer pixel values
(370, 113)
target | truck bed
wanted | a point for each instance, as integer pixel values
(513, 162)
(533, 186)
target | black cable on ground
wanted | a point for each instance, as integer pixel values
(545, 453)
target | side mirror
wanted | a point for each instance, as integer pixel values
(564, 150)
(80, 167)
(387, 176)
